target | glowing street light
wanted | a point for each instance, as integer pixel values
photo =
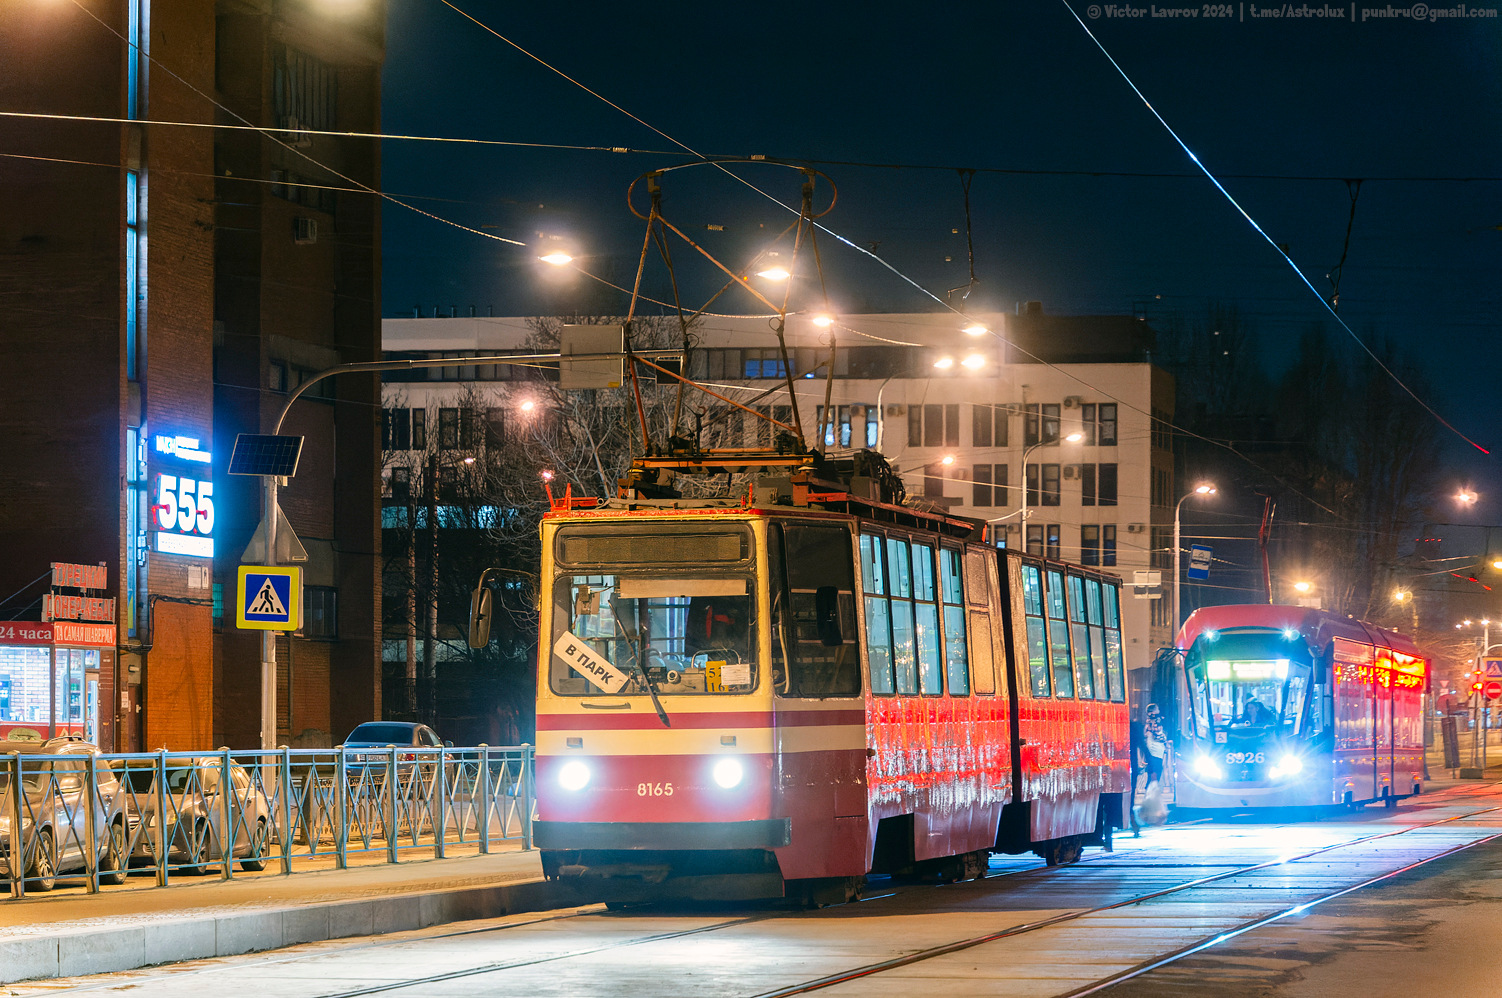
(973, 362)
(947, 459)
(975, 329)
(557, 258)
(823, 320)
(944, 363)
(528, 406)
(1466, 497)
(1402, 595)
(1302, 586)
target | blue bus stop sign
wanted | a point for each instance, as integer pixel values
(1199, 561)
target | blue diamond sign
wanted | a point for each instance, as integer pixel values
(268, 599)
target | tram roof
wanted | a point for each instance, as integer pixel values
(1317, 627)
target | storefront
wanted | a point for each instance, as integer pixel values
(50, 678)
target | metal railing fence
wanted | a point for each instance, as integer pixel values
(68, 812)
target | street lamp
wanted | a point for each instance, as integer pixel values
(1072, 438)
(1203, 489)
(1301, 586)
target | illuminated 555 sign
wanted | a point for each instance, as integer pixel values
(184, 506)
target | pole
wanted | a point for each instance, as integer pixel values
(430, 636)
(1178, 619)
(268, 638)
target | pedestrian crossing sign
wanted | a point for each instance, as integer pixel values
(269, 599)
(1493, 668)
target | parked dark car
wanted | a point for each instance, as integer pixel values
(54, 832)
(379, 734)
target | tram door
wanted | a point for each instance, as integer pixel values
(1382, 689)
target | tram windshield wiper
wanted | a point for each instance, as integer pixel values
(636, 660)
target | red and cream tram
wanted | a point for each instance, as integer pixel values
(1284, 706)
(741, 699)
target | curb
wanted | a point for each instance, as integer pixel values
(108, 950)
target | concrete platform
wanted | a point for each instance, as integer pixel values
(140, 925)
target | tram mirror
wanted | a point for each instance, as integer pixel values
(827, 611)
(480, 610)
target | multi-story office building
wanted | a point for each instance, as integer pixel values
(954, 413)
(163, 288)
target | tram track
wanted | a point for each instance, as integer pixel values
(884, 966)
(820, 983)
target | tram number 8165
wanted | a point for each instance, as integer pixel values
(654, 790)
(1241, 758)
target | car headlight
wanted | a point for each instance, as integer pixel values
(1205, 766)
(573, 776)
(729, 773)
(1289, 765)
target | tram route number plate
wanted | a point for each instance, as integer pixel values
(589, 663)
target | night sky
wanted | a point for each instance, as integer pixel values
(1410, 107)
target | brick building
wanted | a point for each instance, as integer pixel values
(161, 289)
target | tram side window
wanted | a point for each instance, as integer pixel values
(977, 594)
(818, 631)
(1037, 630)
(1094, 613)
(1079, 633)
(1058, 635)
(956, 664)
(904, 645)
(926, 621)
(1115, 673)
(878, 618)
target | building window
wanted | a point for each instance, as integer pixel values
(320, 613)
(933, 480)
(988, 425)
(1090, 544)
(990, 487)
(1162, 543)
(305, 91)
(1040, 424)
(1050, 493)
(1106, 485)
(854, 426)
(763, 363)
(1105, 432)
(448, 429)
(401, 484)
(1162, 430)
(396, 429)
(933, 426)
(1087, 485)
(1034, 538)
(1053, 532)
(218, 609)
(1108, 544)
(495, 428)
(1087, 423)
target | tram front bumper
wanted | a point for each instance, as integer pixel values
(767, 833)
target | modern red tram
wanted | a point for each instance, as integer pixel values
(1285, 706)
(758, 700)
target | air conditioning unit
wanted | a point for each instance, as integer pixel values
(304, 230)
(857, 410)
(1135, 528)
(896, 410)
(295, 137)
(1071, 401)
(1071, 471)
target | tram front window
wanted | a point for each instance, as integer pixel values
(687, 634)
(1250, 695)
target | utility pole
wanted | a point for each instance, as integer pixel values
(430, 637)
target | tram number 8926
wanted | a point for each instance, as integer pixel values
(654, 790)
(1241, 758)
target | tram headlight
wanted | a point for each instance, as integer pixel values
(573, 776)
(728, 773)
(1205, 766)
(1289, 765)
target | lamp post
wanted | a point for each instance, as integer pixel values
(1203, 489)
(1072, 438)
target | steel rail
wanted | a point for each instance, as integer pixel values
(883, 966)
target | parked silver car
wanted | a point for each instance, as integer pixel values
(194, 830)
(55, 804)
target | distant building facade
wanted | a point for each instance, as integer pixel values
(956, 433)
(161, 290)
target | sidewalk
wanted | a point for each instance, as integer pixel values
(122, 928)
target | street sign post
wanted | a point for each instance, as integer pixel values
(269, 598)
